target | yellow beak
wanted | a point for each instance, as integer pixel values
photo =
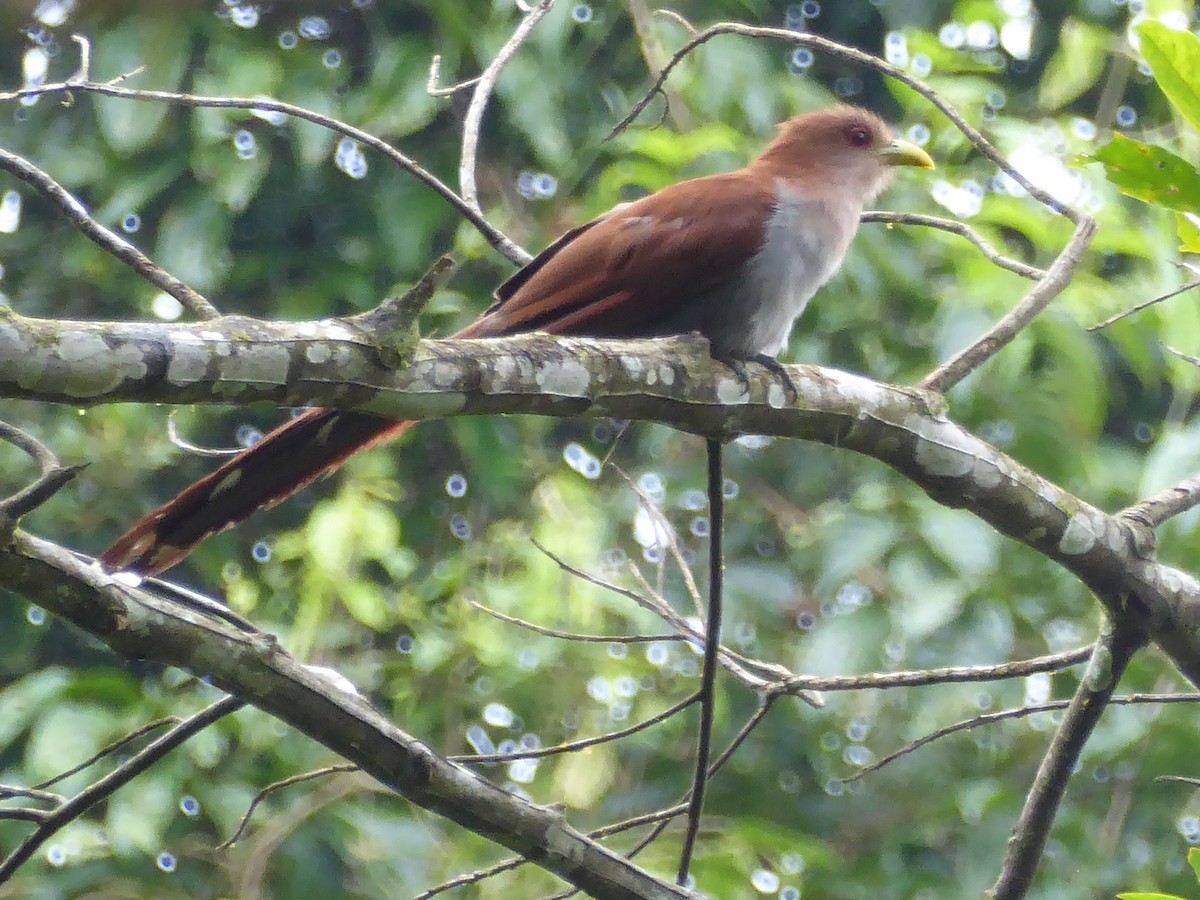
(902, 153)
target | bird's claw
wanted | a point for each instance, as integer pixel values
(738, 367)
(769, 363)
(776, 368)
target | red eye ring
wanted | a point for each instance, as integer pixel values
(858, 136)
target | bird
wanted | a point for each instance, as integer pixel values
(735, 256)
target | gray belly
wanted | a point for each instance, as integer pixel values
(754, 311)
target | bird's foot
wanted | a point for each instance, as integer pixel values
(739, 369)
(769, 363)
(776, 368)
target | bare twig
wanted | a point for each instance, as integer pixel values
(178, 440)
(1179, 779)
(277, 786)
(479, 99)
(656, 55)
(1137, 309)
(1186, 357)
(678, 20)
(663, 526)
(1003, 715)
(1057, 277)
(962, 229)
(575, 636)
(434, 89)
(109, 784)
(1158, 508)
(112, 748)
(583, 744)
(496, 238)
(745, 670)
(8, 791)
(52, 479)
(85, 58)
(1116, 647)
(103, 237)
(24, 814)
(947, 675)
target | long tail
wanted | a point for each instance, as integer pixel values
(287, 459)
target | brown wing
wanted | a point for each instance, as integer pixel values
(632, 271)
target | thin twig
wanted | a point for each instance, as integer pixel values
(496, 238)
(1057, 277)
(434, 89)
(479, 100)
(948, 674)
(739, 666)
(85, 58)
(1018, 713)
(34, 793)
(51, 480)
(107, 240)
(1180, 779)
(112, 748)
(1137, 309)
(178, 440)
(664, 527)
(277, 786)
(678, 20)
(583, 744)
(25, 814)
(655, 54)
(575, 636)
(962, 229)
(110, 783)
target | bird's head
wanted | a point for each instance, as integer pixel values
(843, 148)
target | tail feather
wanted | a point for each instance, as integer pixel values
(284, 461)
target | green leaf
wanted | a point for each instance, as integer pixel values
(65, 734)
(140, 813)
(1151, 173)
(1194, 860)
(23, 702)
(1142, 895)
(1174, 57)
(1076, 64)
(1187, 226)
(193, 240)
(156, 43)
(367, 603)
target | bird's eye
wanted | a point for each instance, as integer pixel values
(858, 136)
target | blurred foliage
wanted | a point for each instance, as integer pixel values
(835, 564)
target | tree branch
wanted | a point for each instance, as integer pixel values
(672, 381)
(1120, 640)
(139, 625)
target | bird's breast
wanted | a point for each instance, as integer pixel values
(803, 245)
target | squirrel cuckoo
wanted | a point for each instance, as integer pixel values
(735, 256)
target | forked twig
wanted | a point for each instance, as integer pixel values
(496, 238)
(480, 97)
(106, 239)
